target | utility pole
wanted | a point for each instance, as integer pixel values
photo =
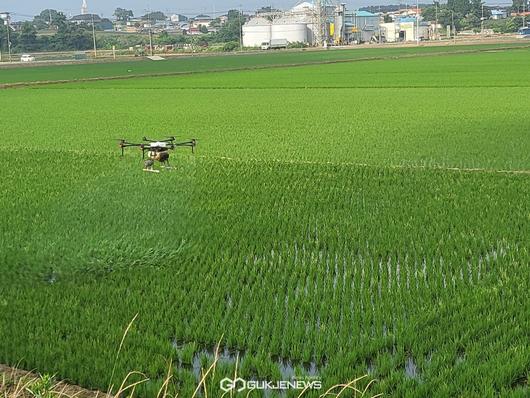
(94, 37)
(482, 20)
(417, 24)
(380, 40)
(454, 27)
(150, 32)
(524, 11)
(436, 23)
(8, 37)
(320, 30)
(240, 28)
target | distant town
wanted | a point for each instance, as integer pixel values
(318, 23)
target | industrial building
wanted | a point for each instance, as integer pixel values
(359, 27)
(405, 29)
(298, 25)
(324, 23)
(317, 23)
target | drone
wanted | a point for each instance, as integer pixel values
(157, 150)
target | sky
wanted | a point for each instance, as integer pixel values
(25, 9)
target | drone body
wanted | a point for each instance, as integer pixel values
(157, 150)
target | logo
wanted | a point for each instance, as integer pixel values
(240, 384)
(228, 384)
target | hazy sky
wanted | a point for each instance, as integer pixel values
(24, 9)
(107, 7)
(188, 7)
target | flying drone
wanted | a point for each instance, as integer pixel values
(157, 150)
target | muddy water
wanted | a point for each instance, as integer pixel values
(286, 367)
(411, 370)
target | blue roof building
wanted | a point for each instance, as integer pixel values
(361, 26)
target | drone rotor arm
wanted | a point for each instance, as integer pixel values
(191, 144)
(187, 143)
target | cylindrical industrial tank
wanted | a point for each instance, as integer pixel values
(292, 32)
(256, 31)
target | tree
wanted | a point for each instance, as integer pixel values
(165, 39)
(216, 23)
(231, 30)
(470, 21)
(49, 19)
(459, 7)
(71, 37)
(443, 14)
(203, 28)
(519, 6)
(3, 37)
(123, 15)
(27, 39)
(200, 41)
(231, 46)
(233, 14)
(466, 14)
(154, 16)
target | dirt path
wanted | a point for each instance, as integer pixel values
(14, 384)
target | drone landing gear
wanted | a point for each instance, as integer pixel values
(149, 166)
(166, 165)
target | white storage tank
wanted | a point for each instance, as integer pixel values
(256, 31)
(292, 32)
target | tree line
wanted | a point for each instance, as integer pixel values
(51, 31)
(65, 36)
(472, 15)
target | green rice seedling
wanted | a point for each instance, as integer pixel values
(368, 238)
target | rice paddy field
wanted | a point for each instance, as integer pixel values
(338, 220)
(185, 64)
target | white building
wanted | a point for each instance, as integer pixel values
(295, 25)
(201, 20)
(405, 29)
(176, 18)
(498, 14)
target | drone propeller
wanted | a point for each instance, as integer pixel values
(168, 139)
(121, 145)
(192, 143)
(149, 144)
(126, 144)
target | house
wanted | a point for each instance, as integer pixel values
(525, 14)
(498, 14)
(175, 18)
(201, 20)
(193, 31)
